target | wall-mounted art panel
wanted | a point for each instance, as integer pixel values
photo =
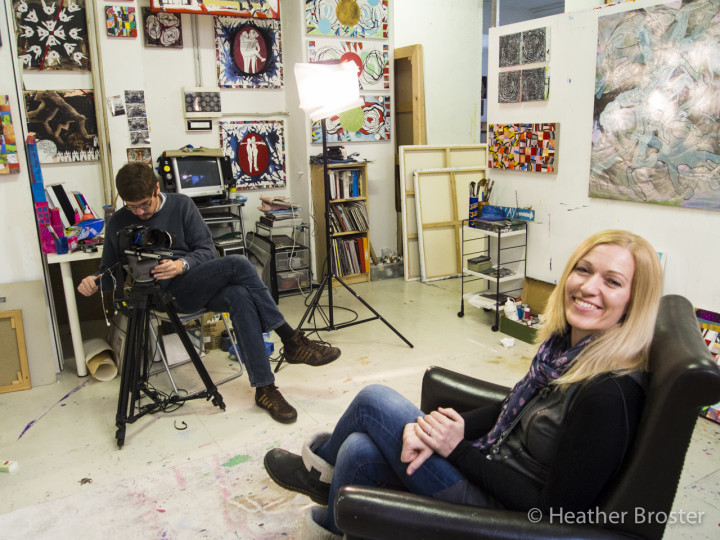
(121, 21)
(509, 86)
(535, 46)
(347, 18)
(256, 9)
(52, 35)
(370, 57)
(162, 29)
(369, 123)
(257, 152)
(656, 117)
(63, 122)
(522, 147)
(9, 163)
(535, 84)
(248, 53)
(509, 50)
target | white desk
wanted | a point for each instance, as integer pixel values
(69, 290)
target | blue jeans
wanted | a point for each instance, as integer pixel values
(365, 450)
(231, 284)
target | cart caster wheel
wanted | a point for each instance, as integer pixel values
(461, 314)
(495, 328)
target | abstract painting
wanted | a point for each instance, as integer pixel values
(535, 84)
(63, 122)
(120, 21)
(257, 152)
(162, 29)
(248, 53)
(370, 57)
(534, 46)
(347, 18)
(256, 9)
(509, 86)
(371, 123)
(509, 50)
(9, 163)
(656, 117)
(522, 147)
(52, 35)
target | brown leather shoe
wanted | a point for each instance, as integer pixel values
(287, 470)
(269, 398)
(301, 350)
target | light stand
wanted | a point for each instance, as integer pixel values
(327, 89)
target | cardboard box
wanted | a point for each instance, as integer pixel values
(535, 295)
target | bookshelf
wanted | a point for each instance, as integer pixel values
(349, 223)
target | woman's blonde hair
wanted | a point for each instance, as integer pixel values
(624, 347)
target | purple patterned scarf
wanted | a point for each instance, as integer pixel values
(553, 358)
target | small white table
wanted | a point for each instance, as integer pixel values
(69, 290)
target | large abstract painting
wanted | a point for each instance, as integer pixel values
(9, 163)
(656, 120)
(257, 9)
(248, 53)
(347, 18)
(522, 147)
(52, 35)
(63, 122)
(369, 123)
(370, 57)
(257, 152)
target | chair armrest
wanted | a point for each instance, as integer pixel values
(444, 388)
(374, 513)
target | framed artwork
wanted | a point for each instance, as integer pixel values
(369, 123)
(347, 18)
(509, 50)
(9, 163)
(256, 149)
(535, 46)
(522, 147)
(139, 154)
(370, 57)
(120, 21)
(248, 53)
(535, 84)
(52, 35)
(63, 122)
(509, 86)
(162, 29)
(256, 9)
(655, 131)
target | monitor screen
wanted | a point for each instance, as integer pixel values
(198, 176)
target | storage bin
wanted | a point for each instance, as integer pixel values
(478, 264)
(293, 279)
(296, 259)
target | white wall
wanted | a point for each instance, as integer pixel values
(451, 37)
(565, 215)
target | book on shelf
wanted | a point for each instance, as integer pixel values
(344, 183)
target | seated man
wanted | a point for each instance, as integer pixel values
(198, 279)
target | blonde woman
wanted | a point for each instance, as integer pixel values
(553, 443)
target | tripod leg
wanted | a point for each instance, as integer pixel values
(315, 302)
(127, 383)
(212, 391)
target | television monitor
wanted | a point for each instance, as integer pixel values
(198, 176)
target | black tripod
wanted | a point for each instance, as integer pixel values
(331, 272)
(136, 358)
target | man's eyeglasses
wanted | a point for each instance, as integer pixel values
(142, 206)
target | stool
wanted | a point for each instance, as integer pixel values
(184, 319)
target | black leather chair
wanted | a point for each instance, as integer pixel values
(684, 377)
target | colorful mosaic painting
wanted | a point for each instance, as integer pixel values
(8, 147)
(371, 123)
(371, 59)
(248, 53)
(121, 21)
(257, 152)
(52, 35)
(256, 9)
(522, 147)
(347, 18)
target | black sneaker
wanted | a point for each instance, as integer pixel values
(301, 350)
(269, 398)
(288, 470)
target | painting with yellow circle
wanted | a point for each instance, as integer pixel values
(369, 123)
(347, 18)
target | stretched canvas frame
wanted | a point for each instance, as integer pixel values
(441, 205)
(14, 371)
(412, 158)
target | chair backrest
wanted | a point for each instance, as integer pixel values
(683, 378)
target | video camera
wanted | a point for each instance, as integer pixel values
(140, 248)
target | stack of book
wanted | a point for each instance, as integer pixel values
(351, 255)
(349, 217)
(279, 212)
(345, 183)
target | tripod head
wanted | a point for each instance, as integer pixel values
(140, 248)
